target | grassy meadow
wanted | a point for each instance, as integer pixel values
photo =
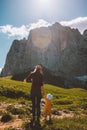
(69, 106)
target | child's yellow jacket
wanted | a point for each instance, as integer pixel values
(47, 103)
(47, 106)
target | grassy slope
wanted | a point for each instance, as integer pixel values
(74, 99)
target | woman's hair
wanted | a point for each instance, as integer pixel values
(39, 68)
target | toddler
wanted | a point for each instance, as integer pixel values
(48, 102)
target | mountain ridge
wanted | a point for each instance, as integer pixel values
(60, 49)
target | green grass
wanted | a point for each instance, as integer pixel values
(13, 91)
(75, 123)
(74, 99)
(71, 99)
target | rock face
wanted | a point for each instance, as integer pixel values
(60, 49)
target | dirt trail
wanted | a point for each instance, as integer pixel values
(63, 115)
(13, 124)
(17, 123)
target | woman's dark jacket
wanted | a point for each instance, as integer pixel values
(37, 82)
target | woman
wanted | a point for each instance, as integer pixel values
(37, 81)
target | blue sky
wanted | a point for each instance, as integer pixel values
(17, 17)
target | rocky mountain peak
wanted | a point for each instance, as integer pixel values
(61, 50)
(85, 34)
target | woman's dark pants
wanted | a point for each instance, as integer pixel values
(36, 107)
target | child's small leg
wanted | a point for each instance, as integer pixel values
(45, 117)
(50, 117)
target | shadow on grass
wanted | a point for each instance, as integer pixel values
(31, 126)
(11, 93)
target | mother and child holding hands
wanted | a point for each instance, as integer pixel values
(36, 94)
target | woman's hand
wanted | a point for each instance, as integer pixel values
(25, 80)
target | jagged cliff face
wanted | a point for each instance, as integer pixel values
(15, 58)
(60, 49)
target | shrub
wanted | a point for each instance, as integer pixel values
(56, 112)
(14, 110)
(26, 125)
(85, 112)
(6, 117)
(64, 102)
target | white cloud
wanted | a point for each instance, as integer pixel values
(80, 23)
(14, 31)
(40, 23)
(23, 31)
